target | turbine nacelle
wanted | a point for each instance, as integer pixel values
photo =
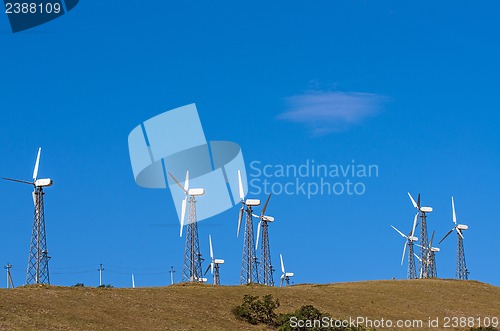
(43, 182)
(412, 238)
(219, 261)
(462, 227)
(264, 217)
(252, 202)
(417, 206)
(194, 192)
(426, 209)
(435, 249)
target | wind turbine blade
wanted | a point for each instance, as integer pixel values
(446, 235)
(265, 205)
(208, 268)
(432, 239)
(211, 249)
(183, 214)
(258, 235)
(460, 233)
(240, 187)
(186, 183)
(175, 179)
(401, 233)
(418, 257)
(282, 265)
(413, 201)
(453, 209)
(18, 180)
(404, 253)
(418, 201)
(414, 224)
(35, 171)
(240, 217)
(212, 267)
(133, 281)
(34, 198)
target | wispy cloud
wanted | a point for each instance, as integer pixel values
(325, 112)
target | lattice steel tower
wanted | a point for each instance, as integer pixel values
(462, 272)
(431, 259)
(249, 264)
(38, 260)
(265, 257)
(412, 271)
(266, 268)
(424, 241)
(424, 246)
(191, 271)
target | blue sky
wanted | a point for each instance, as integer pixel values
(409, 86)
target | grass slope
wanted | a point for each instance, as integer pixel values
(204, 307)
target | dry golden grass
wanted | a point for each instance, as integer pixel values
(204, 307)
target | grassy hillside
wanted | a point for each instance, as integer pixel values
(204, 307)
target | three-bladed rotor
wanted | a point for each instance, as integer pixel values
(244, 203)
(457, 227)
(43, 182)
(193, 192)
(409, 238)
(285, 275)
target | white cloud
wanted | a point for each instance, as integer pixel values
(325, 112)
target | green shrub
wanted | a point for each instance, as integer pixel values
(256, 311)
(105, 286)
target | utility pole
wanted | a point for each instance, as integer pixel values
(10, 284)
(100, 274)
(171, 275)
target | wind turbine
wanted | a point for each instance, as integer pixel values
(10, 283)
(249, 271)
(431, 258)
(424, 242)
(266, 267)
(38, 261)
(214, 265)
(461, 272)
(285, 277)
(191, 271)
(410, 239)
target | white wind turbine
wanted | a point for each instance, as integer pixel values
(38, 261)
(461, 271)
(410, 240)
(214, 265)
(249, 271)
(285, 277)
(192, 270)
